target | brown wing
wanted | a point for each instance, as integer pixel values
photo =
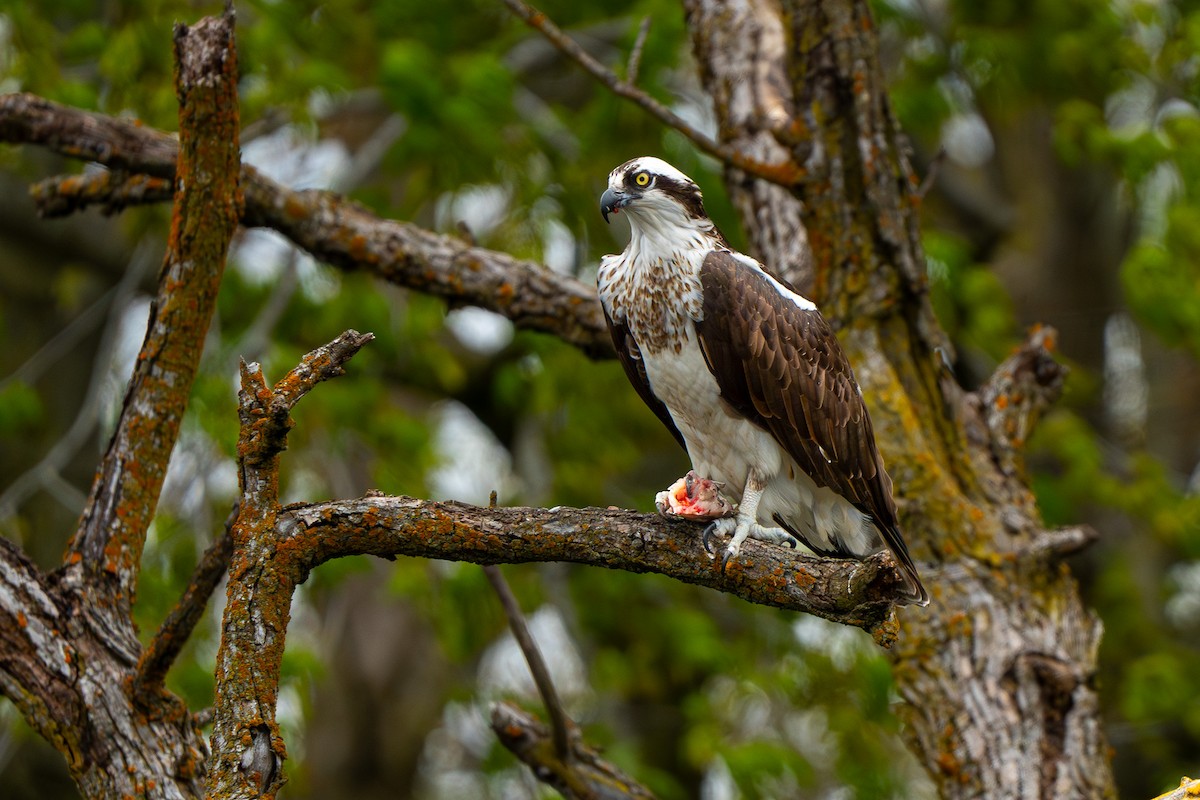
(630, 356)
(782, 368)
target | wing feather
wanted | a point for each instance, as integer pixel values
(780, 365)
(630, 356)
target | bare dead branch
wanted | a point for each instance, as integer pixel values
(336, 230)
(177, 628)
(560, 723)
(785, 173)
(125, 492)
(584, 776)
(858, 593)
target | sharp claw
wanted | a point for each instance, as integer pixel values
(725, 560)
(708, 534)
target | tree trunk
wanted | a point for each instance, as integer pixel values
(997, 670)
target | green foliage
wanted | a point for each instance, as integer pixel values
(20, 408)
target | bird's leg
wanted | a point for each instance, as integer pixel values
(745, 524)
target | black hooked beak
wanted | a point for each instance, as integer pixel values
(612, 201)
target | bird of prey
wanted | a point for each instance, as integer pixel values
(750, 379)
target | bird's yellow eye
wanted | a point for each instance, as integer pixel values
(642, 179)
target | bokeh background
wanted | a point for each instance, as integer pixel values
(1063, 140)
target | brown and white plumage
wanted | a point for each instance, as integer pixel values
(747, 375)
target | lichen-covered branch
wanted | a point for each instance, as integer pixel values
(851, 592)
(276, 548)
(112, 191)
(1017, 394)
(247, 750)
(584, 775)
(125, 491)
(336, 230)
(119, 144)
(348, 236)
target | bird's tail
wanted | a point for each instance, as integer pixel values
(914, 591)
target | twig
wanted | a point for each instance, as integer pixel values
(49, 468)
(586, 776)
(785, 174)
(635, 55)
(560, 723)
(935, 166)
(112, 191)
(177, 628)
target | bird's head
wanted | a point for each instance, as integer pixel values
(652, 191)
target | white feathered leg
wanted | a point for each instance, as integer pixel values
(745, 524)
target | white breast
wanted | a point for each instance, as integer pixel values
(721, 445)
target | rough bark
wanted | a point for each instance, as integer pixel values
(740, 50)
(997, 671)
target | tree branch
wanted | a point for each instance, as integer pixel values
(570, 766)
(336, 230)
(584, 776)
(248, 751)
(177, 628)
(125, 491)
(560, 723)
(1018, 393)
(635, 54)
(112, 191)
(348, 236)
(785, 173)
(119, 144)
(850, 592)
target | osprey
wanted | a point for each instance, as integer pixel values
(749, 378)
